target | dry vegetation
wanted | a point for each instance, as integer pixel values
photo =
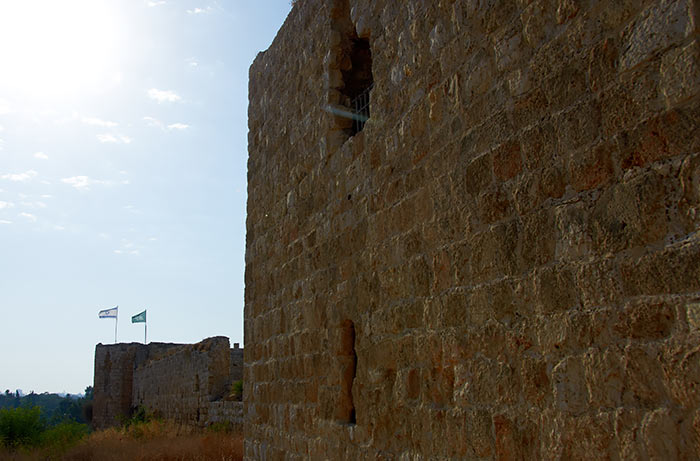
(154, 440)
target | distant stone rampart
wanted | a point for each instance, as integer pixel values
(186, 383)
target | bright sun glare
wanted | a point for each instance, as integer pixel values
(57, 49)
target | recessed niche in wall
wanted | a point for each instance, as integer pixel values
(347, 357)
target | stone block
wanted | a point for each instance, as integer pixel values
(645, 319)
(660, 434)
(630, 213)
(682, 372)
(495, 252)
(509, 48)
(555, 290)
(659, 138)
(490, 15)
(662, 24)
(568, 381)
(588, 435)
(693, 315)
(574, 239)
(507, 161)
(603, 64)
(692, 443)
(599, 283)
(538, 238)
(480, 433)
(480, 70)
(673, 270)
(644, 386)
(566, 87)
(492, 380)
(478, 174)
(538, 25)
(604, 378)
(680, 73)
(494, 204)
(634, 97)
(592, 167)
(539, 145)
(579, 125)
(535, 381)
(529, 107)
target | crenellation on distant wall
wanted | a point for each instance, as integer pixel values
(236, 362)
(179, 382)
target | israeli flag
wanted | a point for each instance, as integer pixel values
(108, 313)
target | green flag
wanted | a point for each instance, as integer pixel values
(139, 318)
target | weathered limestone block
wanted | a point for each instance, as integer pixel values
(659, 26)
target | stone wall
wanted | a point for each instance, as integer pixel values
(179, 382)
(114, 367)
(228, 412)
(504, 263)
(180, 385)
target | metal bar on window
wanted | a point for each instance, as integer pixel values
(360, 107)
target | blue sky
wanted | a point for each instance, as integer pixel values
(123, 151)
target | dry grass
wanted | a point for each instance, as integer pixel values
(152, 441)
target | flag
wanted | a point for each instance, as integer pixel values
(139, 318)
(108, 313)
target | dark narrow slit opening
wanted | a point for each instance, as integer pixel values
(349, 358)
(353, 416)
(358, 82)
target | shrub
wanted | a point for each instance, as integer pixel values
(237, 390)
(139, 415)
(142, 423)
(223, 427)
(20, 427)
(63, 436)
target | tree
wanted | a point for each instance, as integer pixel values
(20, 427)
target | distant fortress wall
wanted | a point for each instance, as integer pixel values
(186, 383)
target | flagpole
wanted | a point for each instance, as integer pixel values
(145, 326)
(116, 321)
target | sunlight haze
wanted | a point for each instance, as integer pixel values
(123, 151)
(62, 50)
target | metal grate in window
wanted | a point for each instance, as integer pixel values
(360, 109)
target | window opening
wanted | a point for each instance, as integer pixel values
(349, 100)
(358, 82)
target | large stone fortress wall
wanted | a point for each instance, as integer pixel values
(504, 263)
(180, 382)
